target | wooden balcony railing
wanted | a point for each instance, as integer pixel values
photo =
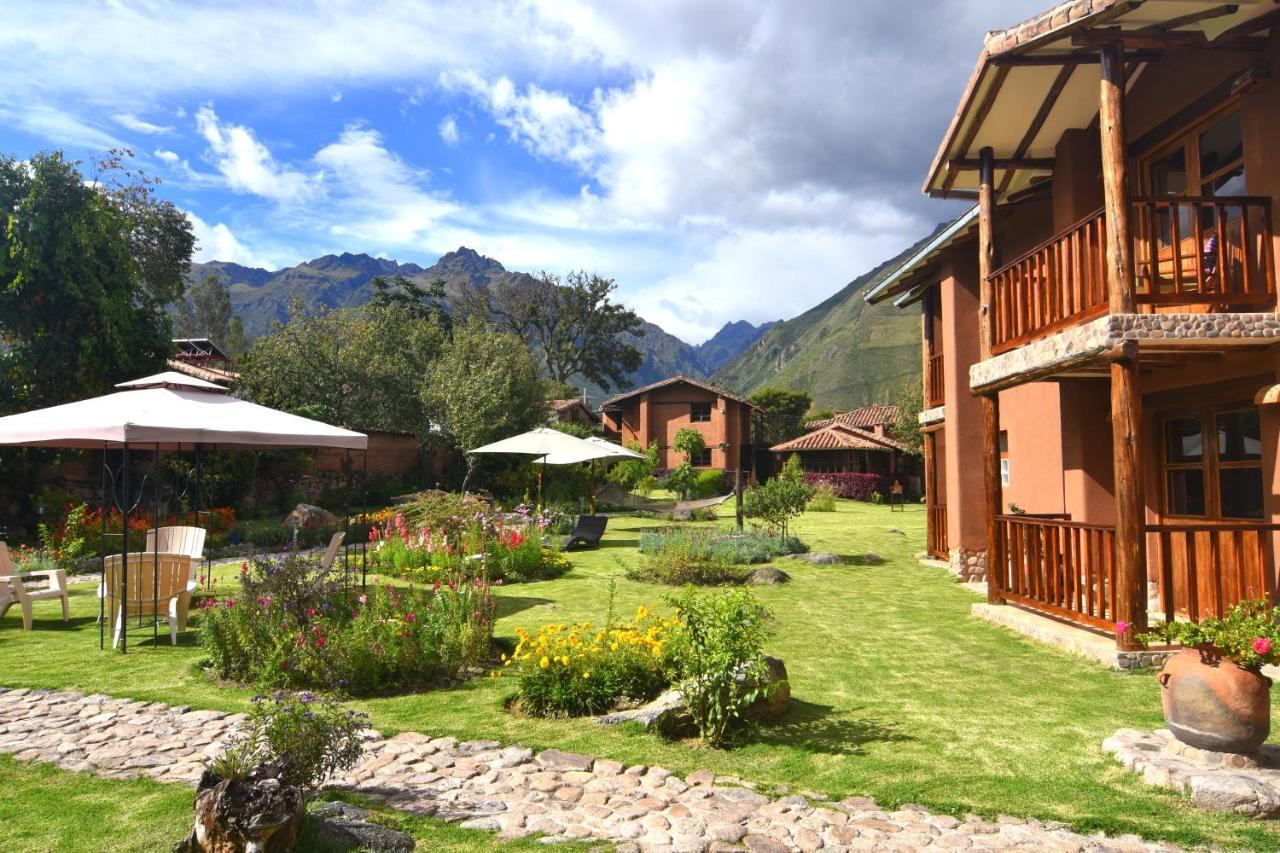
(937, 532)
(935, 383)
(1205, 569)
(1197, 254)
(1059, 567)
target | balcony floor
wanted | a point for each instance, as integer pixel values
(1083, 346)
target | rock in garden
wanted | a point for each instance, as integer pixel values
(309, 515)
(339, 826)
(767, 576)
(653, 714)
(777, 703)
(821, 558)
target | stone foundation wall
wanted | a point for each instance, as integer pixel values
(933, 416)
(1141, 660)
(969, 566)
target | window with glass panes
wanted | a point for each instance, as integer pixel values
(1212, 464)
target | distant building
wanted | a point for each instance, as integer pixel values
(203, 359)
(656, 412)
(572, 411)
(856, 442)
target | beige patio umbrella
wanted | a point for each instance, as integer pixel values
(553, 447)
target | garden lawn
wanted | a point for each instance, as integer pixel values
(898, 693)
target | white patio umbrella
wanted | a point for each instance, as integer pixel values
(599, 451)
(553, 447)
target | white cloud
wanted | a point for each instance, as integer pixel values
(335, 98)
(57, 126)
(449, 131)
(170, 157)
(130, 121)
(217, 243)
(247, 164)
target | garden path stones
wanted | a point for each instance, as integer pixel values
(821, 558)
(514, 791)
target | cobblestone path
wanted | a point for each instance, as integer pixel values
(513, 791)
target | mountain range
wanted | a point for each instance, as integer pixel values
(844, 352)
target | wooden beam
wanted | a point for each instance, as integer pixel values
(1130, 558)
(1115, 187)
(965, 164)
(986, 252)
(1248, 28)
(1041, 116)
(975, 123)
(1079, 57)
(1146, 39)
(993, 495)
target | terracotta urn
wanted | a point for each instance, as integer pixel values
(1213, 703)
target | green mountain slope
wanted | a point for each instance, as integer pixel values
(844, 352)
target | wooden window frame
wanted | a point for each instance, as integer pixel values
(1209, 465)
(1187, 138)
(693, 413)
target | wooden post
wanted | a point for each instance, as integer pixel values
(737, 496)
(990, 402)
(1131, 560)
(1115, 187)
(986, 251)
(994, 496)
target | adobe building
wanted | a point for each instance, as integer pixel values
(1100, 367)
(572, 411)
(855, 442)
(656, 412)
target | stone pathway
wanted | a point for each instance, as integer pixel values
(513, 791)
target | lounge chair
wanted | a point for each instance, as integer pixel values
(331, 553)
(181, 540)
(588, 531)
(156, 582)
(13, 590)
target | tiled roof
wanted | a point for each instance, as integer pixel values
(838, 437)
(705, 386)
(561, 405)
(867, 416)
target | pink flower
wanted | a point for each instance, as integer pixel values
(1262, 645)
(409, 617)
(364, 599)
(311, 612)
(320, 641)
(231, 602)
(1122, 627)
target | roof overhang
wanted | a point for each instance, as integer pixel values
(1041, 78)
(915, 270)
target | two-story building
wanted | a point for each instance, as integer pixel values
(656, 412)
(1100, 328)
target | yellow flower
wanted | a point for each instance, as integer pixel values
(544, 663)
(586, 674)
(565, 660)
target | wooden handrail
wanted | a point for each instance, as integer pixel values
(1202, 527)
(1054, 522)
(1040, 247)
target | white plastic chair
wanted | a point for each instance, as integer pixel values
(14, 591)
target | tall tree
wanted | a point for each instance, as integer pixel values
(407, 295)
(572, 324)
(910, 402)
(355, 367)
(86, 268)
(483, 387)
(782, 413)
(207, 311)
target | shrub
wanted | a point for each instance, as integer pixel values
(294, 627)
(737, 548)
(677, 557)
(1249, 634)
(824, 498)
(857, 487)
(877, 498)
(637, 475)
(709, 483)
(721, 654)
(313, 735)
(681, 479)
(781, 499)
(577, 670)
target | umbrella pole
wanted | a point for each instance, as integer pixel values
(591, 489)
(102, 551)
(123, 616)
(155, 551)
(542, 473)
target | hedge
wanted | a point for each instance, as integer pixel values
(856, 487)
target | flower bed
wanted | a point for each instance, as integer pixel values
(678, 556)
(858, 487)
(292, 626)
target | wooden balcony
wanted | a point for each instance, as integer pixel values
(1197, 255)
(1067, 569)
(935, 383)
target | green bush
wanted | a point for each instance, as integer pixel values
(780, 499)
(824, 498)
(313, 736)
(681, 479)
(709, 484)
(721, 654)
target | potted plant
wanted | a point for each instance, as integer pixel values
(1214, 693)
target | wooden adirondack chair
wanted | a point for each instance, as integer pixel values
(181, 540)
(14, 591)
(155, 584)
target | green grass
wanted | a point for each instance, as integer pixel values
(898, 693)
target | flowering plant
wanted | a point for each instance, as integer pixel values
(580, 669)
(1248, 635)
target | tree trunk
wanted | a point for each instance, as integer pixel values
(256, 813)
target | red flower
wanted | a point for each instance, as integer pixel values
(320, 641)
(1262, 645)
(409, 617)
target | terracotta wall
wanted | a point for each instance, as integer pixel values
(966, 526)
(1031, 419)
(659, 414)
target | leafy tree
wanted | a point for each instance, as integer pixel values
(572, 428)
(483, 387)
(356, 367)
(635, 474)
(207, 311)
(782, 413)
(427, 303)
(819, 415)
(689, 442)
(781, 499)
(235, 337)
(682, 479)
(86, 268)
(572, 324)
(910, 402)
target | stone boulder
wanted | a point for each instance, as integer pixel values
(339, 826)
(652, 715)
(310, 516)
(777, 703)
(821, 558)
(670, 706)
(767, 576)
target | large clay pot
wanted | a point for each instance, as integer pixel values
(1213, 703)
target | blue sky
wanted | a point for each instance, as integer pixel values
(720, 160)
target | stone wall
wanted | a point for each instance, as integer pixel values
(933, 416)
(969, 565)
